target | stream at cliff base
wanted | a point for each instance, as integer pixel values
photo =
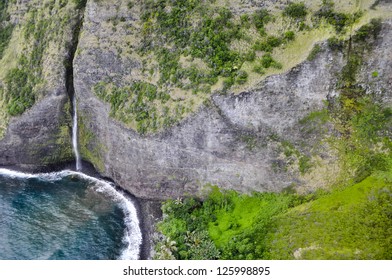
(65, 215)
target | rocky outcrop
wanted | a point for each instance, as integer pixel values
(232, 141)
(41, 136)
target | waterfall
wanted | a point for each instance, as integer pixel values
(75, 136)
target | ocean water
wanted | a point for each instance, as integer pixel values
(65, 215)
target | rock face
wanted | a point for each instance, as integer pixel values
(232, 141)
(36, 139)
(40, 137)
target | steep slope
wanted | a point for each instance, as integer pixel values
(251, 141)
(35, 118)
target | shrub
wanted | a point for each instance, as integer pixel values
(19, 91)
(259, 69)
(260, 18)
(267, 61)
(297, 11)
(289, 35)
(373, 28)
(241, 77)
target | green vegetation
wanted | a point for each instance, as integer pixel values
(5, 27)
(140, 103)
(191, 49)
(296, 11)
(340, 21)
(5, 36)
(24, 83)
(80, 3)
(20, 81)
(209, 40)
(350, 223)
(229, 223)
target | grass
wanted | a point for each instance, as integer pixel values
(243, 214)
(349, 223)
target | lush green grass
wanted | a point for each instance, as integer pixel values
(233, 225)
(353, 222)
(350, 223)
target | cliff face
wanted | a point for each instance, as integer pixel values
(35, 102)
(237, 140)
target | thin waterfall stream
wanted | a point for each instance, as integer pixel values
(75, 136)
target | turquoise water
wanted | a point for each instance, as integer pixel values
(65, 215)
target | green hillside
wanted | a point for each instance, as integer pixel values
(353, 222)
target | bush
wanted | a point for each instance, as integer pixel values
(289, 36)
(267, 61)
(241, 77)
(338, 20)
(261, 18)
(19, 91)
(373, 28)
(297, 11)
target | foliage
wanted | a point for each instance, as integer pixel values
(335, 44)
(340, 21)
(4, 16)
(20, 81)
(223, 226)
(364, 32)
(266, 62)
(19, 92)
(297, 11)
(5, 28)
(170, 23)
(261, 18)
(136, 103)
(353, 223)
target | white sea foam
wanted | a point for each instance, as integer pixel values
(132, 235)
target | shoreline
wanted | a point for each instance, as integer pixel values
(148, 211)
